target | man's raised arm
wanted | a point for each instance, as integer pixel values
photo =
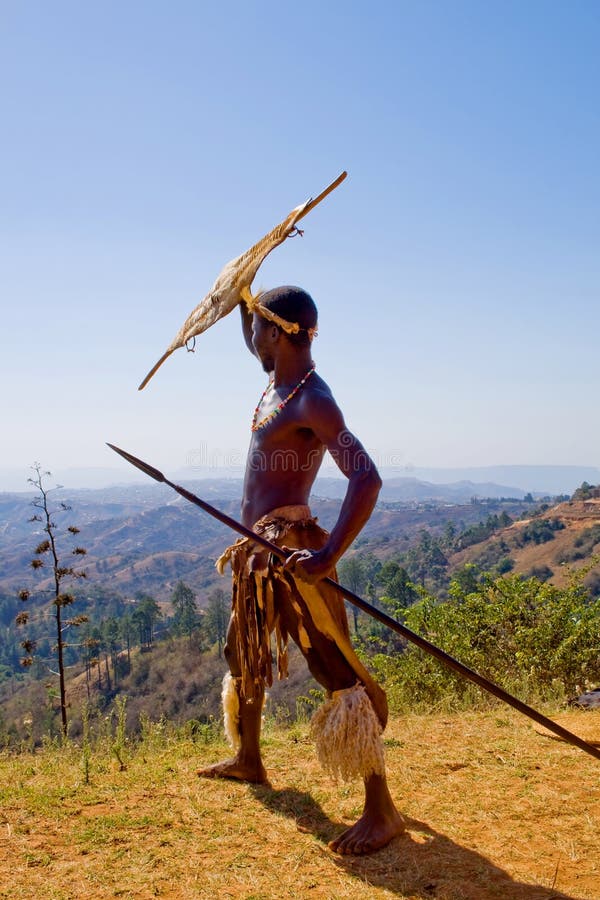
(247, 326)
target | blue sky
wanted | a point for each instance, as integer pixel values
(456, 270)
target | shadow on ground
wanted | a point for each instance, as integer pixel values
(422, 863)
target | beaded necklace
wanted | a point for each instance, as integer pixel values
(256, 426)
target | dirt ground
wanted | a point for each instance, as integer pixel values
(494, 810)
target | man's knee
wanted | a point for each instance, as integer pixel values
(330, 669)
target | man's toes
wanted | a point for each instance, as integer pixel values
(344, 844)
(337, 844)
(366, 847)
(353, 846)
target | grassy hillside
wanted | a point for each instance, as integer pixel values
(175, 681)
(494, 811)
(561, 538)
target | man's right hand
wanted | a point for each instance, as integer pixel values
(308, 565)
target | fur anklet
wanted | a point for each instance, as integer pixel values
(347, 734)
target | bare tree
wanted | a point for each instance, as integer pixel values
(60, 580)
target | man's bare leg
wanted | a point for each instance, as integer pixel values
(246, 765)
(379, 823)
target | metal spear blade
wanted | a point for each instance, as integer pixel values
(138, 463)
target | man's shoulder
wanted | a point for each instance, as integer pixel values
(318, 391)
(318, 385)
(318, 403)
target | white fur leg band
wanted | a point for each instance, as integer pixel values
(347, 734)
(231, 711)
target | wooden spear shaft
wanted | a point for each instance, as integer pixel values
(411, 636)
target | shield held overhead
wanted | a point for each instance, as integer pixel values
(234, 281)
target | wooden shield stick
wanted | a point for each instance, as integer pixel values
(411, 636)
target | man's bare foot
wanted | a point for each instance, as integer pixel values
(369, 833)
(236, 769)
(379, 823)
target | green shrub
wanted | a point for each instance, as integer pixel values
(530, 637)
(539, 531)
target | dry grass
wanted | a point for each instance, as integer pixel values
(494, 810)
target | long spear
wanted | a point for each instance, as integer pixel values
(411, 636)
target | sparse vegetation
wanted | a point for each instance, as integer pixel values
(587, 492)
(542, 573)
(59, 587)
(475, 534)
(538, 531)
(495, 558)
(584, 545)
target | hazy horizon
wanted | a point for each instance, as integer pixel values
(538, 479)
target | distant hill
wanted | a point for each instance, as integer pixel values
(540, 479)
(404, 489)
(547, 480)
(146, 537)
(563, 537)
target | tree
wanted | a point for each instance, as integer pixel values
(397, 586)
(351, 572)
(186, 619)
(586, 491)
(426, 559)
(90, 645)
(145, 616)
(466, 579)
(126, 626)
(111, 632)
(61, 578)
(217, 617)
(449, 535)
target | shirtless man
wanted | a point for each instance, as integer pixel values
(296, 421)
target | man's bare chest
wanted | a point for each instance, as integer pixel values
(285, 438)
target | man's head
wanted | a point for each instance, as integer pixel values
(285, 321)
(294, 306)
